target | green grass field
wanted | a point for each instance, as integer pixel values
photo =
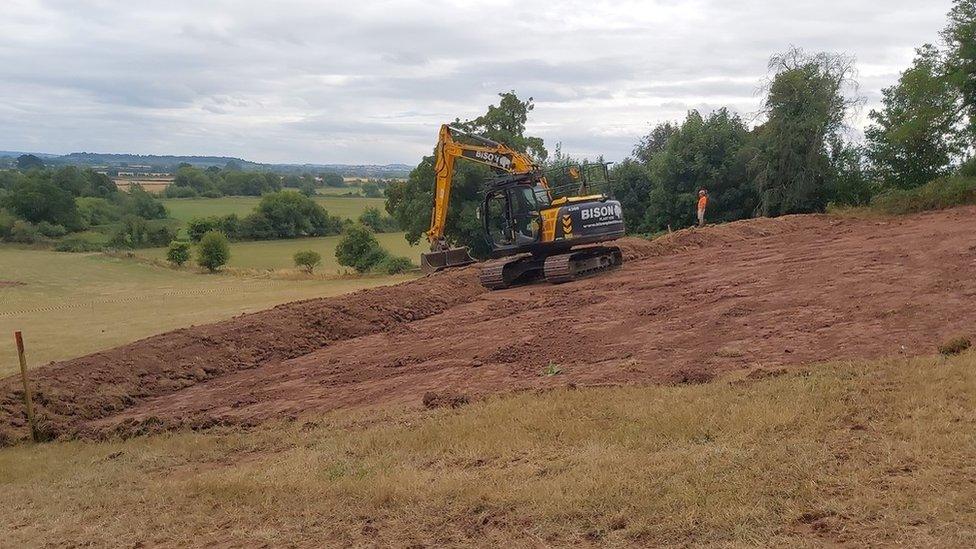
(277, 254)
(73, 304)
(185, 209)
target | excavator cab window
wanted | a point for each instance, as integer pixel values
(526, 219)
(496, 221)
(512, 217)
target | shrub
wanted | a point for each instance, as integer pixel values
(213, 251)
(307, 188)
(359, 249)
(968, 168)
(292, 214)
(332, 179)
(307, 259)
(136, 232)
(51, 230)
(372, 260)
(955, 346)
(256, 226)
(177, 191)
(211, 193)
(24, 232)
(36, 199)
(97, 211)
(229, 224)
(140, 203)
(188, 177)
(7, 221)
(395, 264)
(935, 195)
(379, 223)
(372, 190)
(178, 252)
(237, 183)
(78, 244)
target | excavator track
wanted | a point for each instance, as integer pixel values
(582, 263)
(510, 271)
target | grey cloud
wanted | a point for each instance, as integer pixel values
(323, 82)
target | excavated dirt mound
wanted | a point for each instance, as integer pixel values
(757, 295)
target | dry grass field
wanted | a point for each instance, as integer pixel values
(855, 454)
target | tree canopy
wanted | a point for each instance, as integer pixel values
(805, 106)
(914, 137)
(410, 202)
(960, 35)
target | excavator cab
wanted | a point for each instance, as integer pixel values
(512, 213)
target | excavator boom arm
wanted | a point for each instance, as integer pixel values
(489, 153)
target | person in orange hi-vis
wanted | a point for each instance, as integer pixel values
(702, 203)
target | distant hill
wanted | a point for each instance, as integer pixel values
(378, 171)
(15, 154)
(103, 159)
(169, 163)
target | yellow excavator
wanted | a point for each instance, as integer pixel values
(537, 227)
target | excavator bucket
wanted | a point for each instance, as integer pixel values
(431, 262)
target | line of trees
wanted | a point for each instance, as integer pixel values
(214, 182)
(800, 158)
(282, 214)
(42, 204)
(285, 214)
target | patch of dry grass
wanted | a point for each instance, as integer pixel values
(955, 346)
(860, 453)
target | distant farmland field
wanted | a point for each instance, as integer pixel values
(185, 209)
(150, 184)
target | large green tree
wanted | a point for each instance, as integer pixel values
(194, 178)
(632, 185)
(290, 215)
(35, 198)
(659, 188)
(505, 123)
(806, 106)
(706, 152)
(85, 182)
(960, 35)
(655, 142)
(410, 202)
(915, 137)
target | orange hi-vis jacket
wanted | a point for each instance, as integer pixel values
(702, 202)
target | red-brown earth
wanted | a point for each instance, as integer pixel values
(755, 296)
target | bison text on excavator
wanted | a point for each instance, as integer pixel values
(543, 224)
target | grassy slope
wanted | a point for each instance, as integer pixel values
(185, 209)
(76, 304)
(277, 254)
(863, 453)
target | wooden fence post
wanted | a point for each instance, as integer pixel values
(23, 376)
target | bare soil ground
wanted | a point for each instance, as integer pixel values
(756, 295)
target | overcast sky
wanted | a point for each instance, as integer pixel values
(369, 82)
